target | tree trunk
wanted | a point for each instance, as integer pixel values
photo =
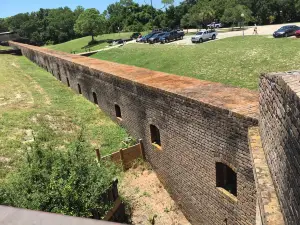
(93, 38)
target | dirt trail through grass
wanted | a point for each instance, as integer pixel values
(31, 99)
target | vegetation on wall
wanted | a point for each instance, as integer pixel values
(52, 26)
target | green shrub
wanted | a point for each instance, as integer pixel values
(69, 181)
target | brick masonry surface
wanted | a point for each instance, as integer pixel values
(269, 211)
(279, 128)
(200, 123)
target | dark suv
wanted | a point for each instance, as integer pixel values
(168, 36)
(155, 38)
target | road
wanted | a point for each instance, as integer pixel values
(262, 30)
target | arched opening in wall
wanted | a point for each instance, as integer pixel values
(155, 135)
(95, 98)
(68, 82)
(79, 89)
(118, 111)
(226, 178)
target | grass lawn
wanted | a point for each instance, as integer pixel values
(4, 47)
(31, 99)
(78, 45)
(235, 61)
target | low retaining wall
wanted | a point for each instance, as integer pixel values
(195, 125)
(280, 131)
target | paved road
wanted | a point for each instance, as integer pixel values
(262, 30)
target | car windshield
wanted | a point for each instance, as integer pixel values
(283, 28)
(155, 35)
(199, 33)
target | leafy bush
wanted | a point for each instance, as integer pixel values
(128, 142)
(68, 181)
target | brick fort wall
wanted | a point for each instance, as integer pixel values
(200, 123)
(279, 128)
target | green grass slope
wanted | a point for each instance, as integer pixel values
(235, 61)
(81, 44)
(4, 47)
(32, 100)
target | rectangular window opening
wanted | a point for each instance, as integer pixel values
(79, 89)
(155, 135)
(95, 98)
(226, 178)
(118, 111)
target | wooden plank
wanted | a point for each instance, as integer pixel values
(111, 212)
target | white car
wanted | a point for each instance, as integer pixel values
(214, 25)
(204, 35)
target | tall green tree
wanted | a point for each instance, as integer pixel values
(233, 15)
(3, 25)
(90, 22)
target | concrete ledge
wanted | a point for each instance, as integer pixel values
(11, 216)
(269, 207)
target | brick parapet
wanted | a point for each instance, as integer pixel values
(279, 128)
(200, 123)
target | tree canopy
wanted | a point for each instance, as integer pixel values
(90, 22)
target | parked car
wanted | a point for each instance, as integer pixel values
(180, 34)
(204, 35)
(139, 39)
(147, 37)
(286, 31)
(168, 36)
(297, 34)
(215, 25)
(135, 35)
(155, 38)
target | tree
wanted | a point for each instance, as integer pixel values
(61, 23)
(90, 22)
(167, 2)
(202, 13)
(187, 21)
(232, 15)
(3, 25)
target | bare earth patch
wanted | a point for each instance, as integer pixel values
(150, 202)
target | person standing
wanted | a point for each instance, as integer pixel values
(255, 30)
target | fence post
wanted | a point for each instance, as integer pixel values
(122, 158)
(98, 154)
(142, 149)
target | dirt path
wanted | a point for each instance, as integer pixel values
(149, 200)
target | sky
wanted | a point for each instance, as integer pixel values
(13, 7)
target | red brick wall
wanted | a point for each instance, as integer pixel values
(200, 123)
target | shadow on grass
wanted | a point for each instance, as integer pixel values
(95, 42)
